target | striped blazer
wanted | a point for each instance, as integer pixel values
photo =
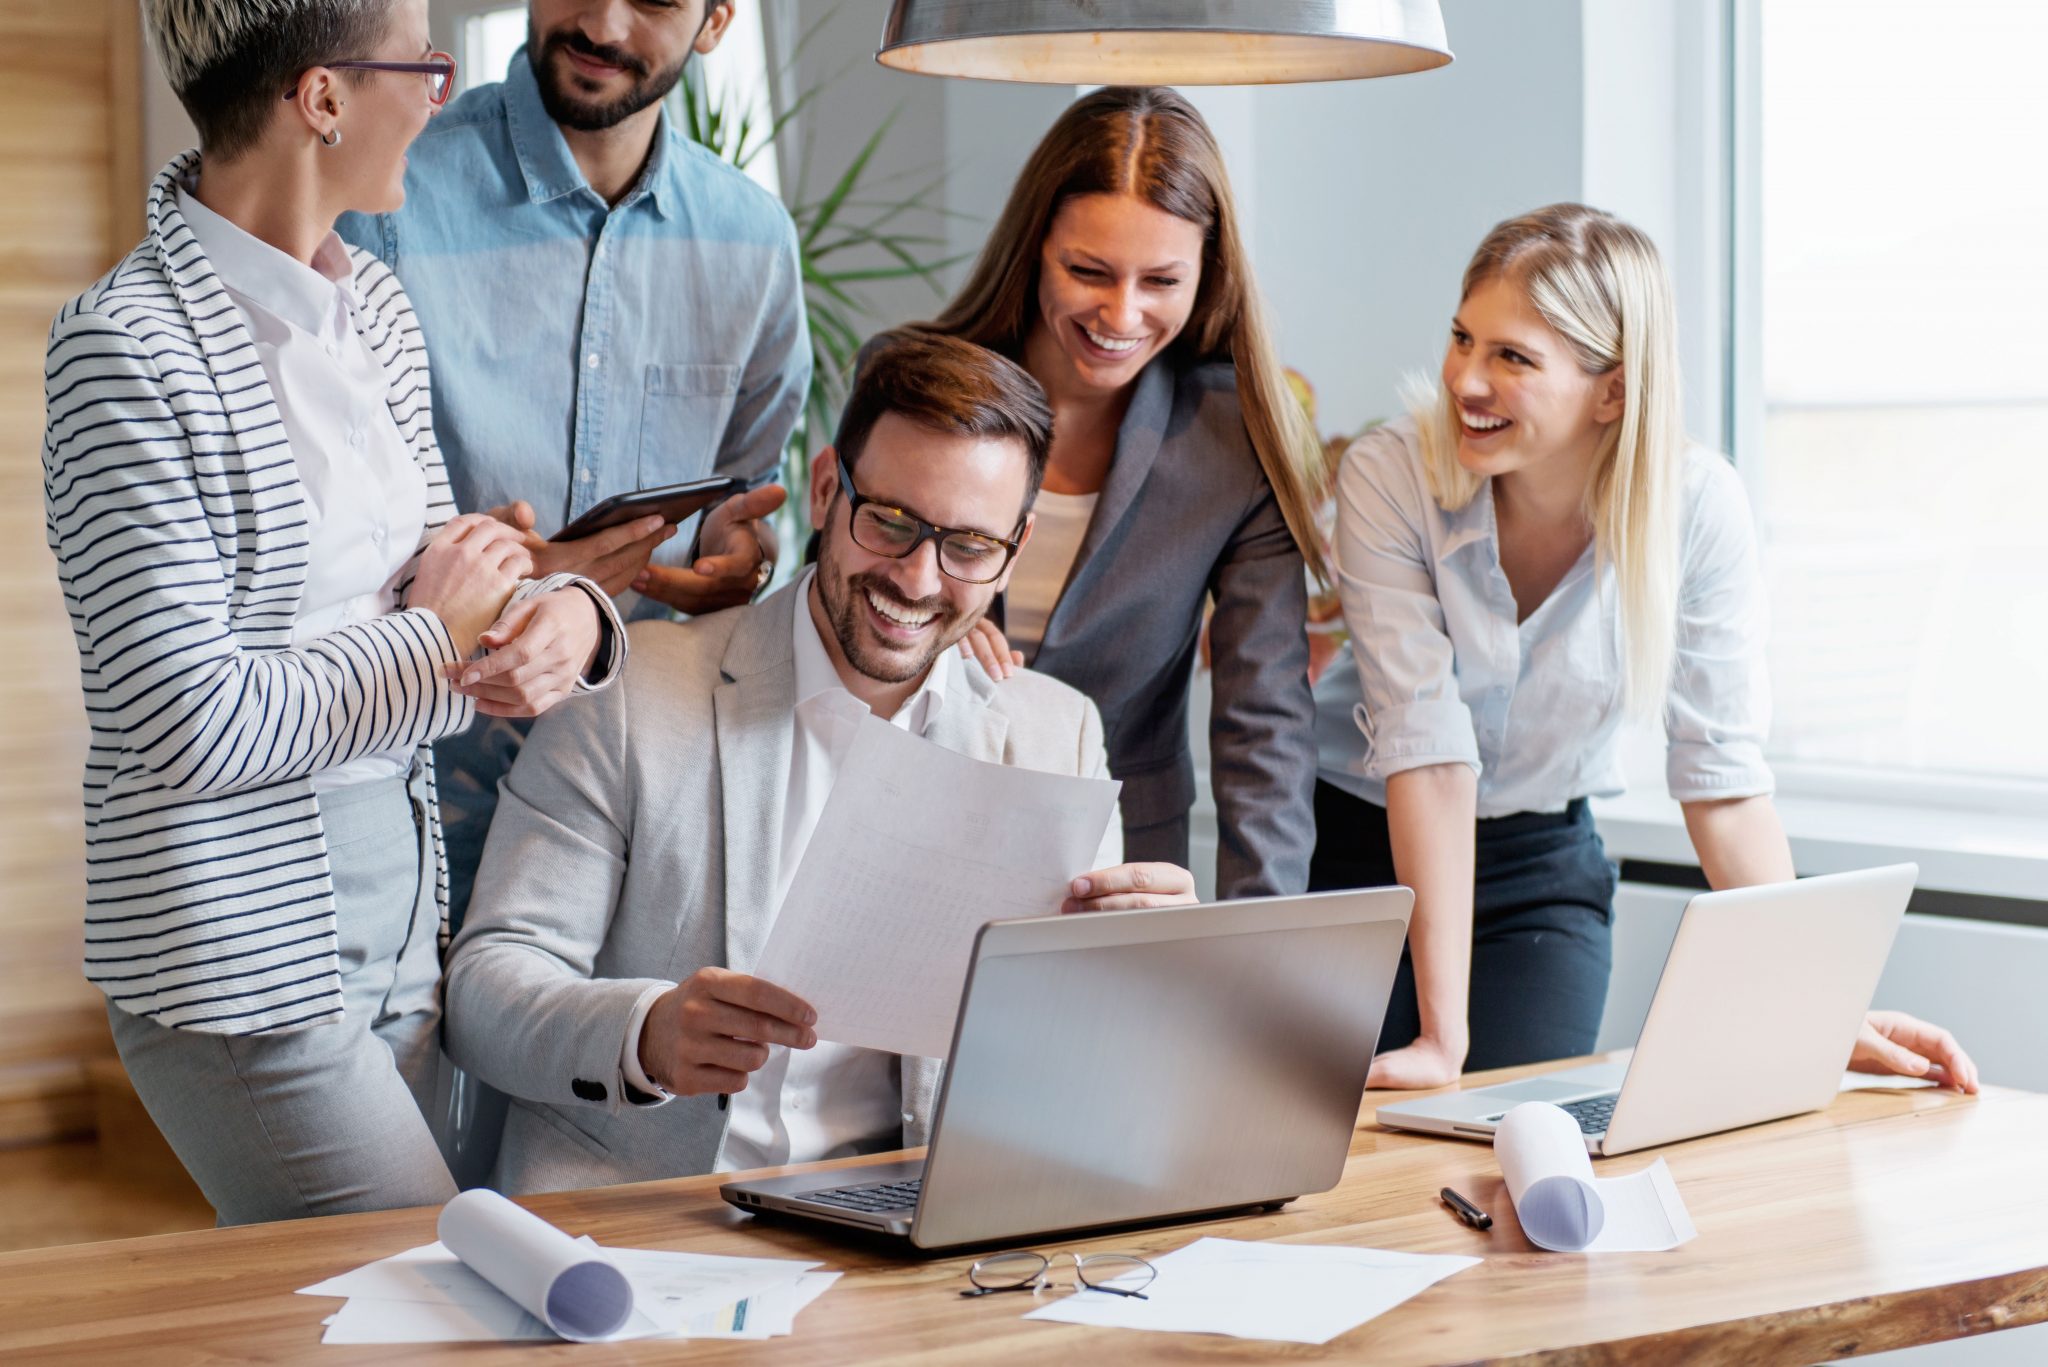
(180, 529)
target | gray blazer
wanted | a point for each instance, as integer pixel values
(635, 841)
(1186, 513)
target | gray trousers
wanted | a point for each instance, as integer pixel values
(331, 1119)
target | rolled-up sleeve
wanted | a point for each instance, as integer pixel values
(1409, 710)
(1719, 709)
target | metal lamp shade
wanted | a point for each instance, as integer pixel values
(1164, 42)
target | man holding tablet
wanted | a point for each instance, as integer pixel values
(642, 844)
(609, 308)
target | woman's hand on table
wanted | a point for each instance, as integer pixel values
(1428, 1062)
(1906, 1046)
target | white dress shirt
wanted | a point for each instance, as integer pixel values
(1060, 525)
(1441, 672)
(831, 1100)
(366, 496)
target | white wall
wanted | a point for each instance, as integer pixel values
(1372, 194)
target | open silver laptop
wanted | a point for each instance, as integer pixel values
(1757, 1010)
(1129, 1066)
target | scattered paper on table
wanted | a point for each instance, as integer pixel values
(919, 847)
(1293, 1293)
(1564, 1208)
(429, 1295)
(1887, 1082)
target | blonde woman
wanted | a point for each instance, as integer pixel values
(1532, 554)
(277, 610)
(1182, 468)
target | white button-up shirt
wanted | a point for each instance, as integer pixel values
(366, 496)
(831, 1100)
(1441, 672)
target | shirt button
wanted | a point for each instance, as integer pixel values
(355, 439)
(334, 350)
(377, 535)
(591, 360)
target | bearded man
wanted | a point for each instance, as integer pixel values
(645, 838)
(609, 307)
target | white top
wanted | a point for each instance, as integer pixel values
(366, 496)
(831, 1100)
(1440, 671)
(1043, 565)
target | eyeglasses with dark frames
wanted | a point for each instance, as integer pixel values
(880, 529)
(437, 67)
(1115, 1274)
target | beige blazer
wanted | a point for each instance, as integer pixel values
(635, 841)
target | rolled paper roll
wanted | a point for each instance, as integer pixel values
(1543, 1160)
(568, 1286)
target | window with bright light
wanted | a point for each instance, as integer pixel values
(735, 73)
(1902, 482)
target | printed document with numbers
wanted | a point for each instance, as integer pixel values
(919, 847)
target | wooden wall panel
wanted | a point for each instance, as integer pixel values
(69, 146)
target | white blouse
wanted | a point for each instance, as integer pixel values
(1043, 565)
(1440, 671)
(366, 496)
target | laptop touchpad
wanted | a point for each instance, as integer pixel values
(1538, 1089)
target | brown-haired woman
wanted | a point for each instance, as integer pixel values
(1182, 468)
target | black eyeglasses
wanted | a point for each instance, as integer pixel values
(437, 67)
(970, 557)
(1118, 1274)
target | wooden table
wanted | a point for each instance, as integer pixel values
(1889, 1219)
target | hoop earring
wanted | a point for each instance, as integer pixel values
(331, 138)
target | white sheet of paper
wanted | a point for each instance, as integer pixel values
(918, 848)
(1884, 1082)
(1294, 1293)
(392, 1278)
(1564, 1208)
(675, 1288)
(365, 1320)
(764, 1315)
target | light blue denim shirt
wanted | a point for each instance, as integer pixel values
(1440, 671)
(581, 350)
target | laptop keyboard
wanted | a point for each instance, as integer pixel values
(872, 1198)
(1593, 1113)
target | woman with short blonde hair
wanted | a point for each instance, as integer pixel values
(277, 610)
(1530, 555)
(1183, 468)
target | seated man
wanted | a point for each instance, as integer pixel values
(644, 840)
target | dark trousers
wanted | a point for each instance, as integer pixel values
(1542, 925)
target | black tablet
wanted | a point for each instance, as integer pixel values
(674, 502)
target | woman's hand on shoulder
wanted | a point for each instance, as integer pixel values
(985, 642)
(539, 649)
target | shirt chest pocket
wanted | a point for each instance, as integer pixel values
(683, 414)
(1571, 682)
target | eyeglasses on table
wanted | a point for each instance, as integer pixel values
(1116, 1274)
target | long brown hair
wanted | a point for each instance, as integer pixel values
(1149, 142)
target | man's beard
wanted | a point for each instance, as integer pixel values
(844, 608)
(571, 111)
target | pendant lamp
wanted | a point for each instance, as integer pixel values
(1164, 42)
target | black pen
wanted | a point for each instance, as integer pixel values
(1465, 1210)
